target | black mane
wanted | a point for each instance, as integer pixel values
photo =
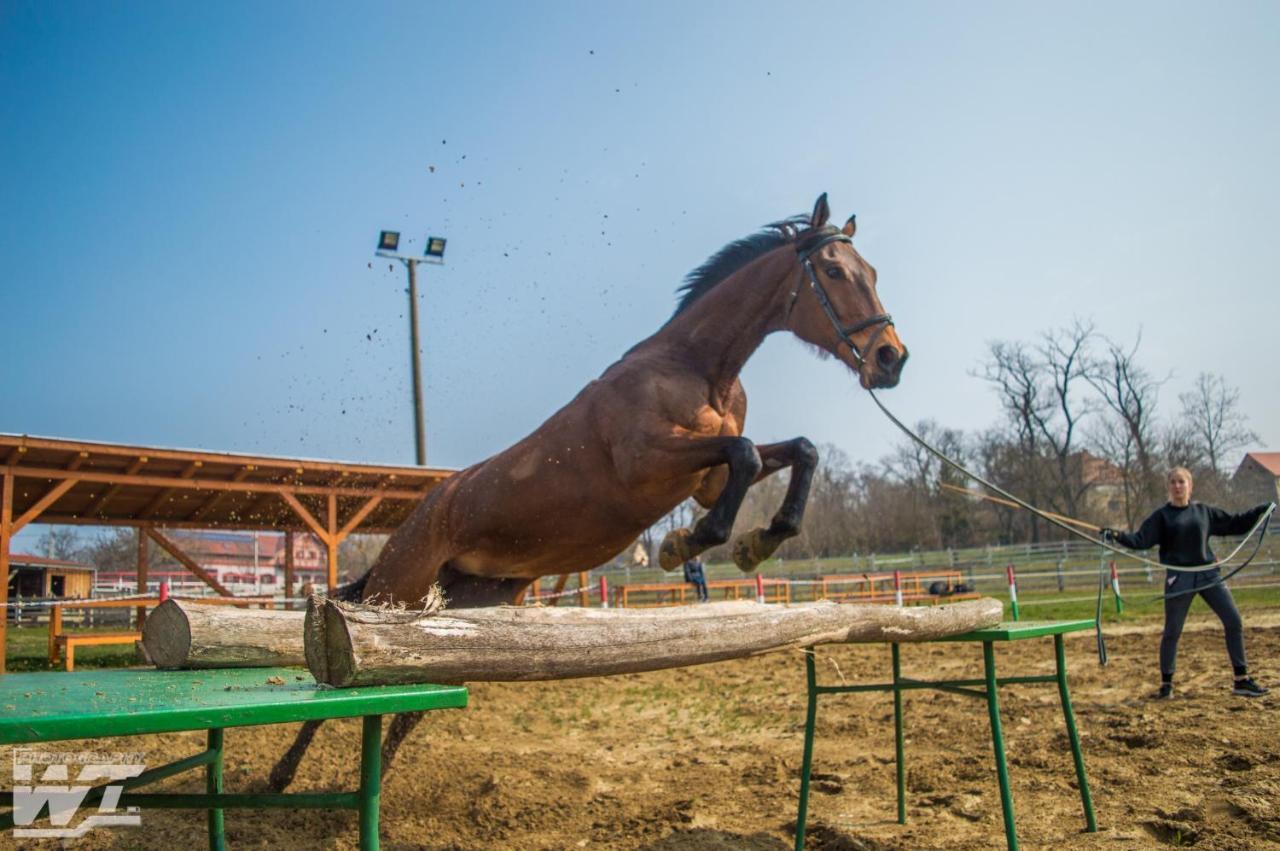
(735, 255)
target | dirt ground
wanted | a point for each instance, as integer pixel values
(709, 758)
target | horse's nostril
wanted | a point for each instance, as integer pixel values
(887, 356)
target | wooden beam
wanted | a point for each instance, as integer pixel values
(210, 484)
(305, 516)
(140, 575)
(6, 520)
(77, 461)
(332, 542)
(214, 500)
(383, 472)
(14, 455)
(287, 520)
(360, 515)
(96, 505)
(155, 504)
(44, 502)
(288, 570)
(561, 581)
(173, 550)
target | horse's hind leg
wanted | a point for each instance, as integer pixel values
(758, 544)
(282, 773)
(740, 454)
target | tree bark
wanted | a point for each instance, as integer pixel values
(355, 645)
(190, 635)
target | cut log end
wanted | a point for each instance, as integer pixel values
(330, 656)
(166, 636)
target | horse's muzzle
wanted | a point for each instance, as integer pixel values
(886, 366)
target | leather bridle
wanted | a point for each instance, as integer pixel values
(804, 251)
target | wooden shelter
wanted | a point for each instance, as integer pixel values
(50, 480)
(36, 576)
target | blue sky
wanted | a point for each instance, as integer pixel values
(190, 196)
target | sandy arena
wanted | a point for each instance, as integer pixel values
(709, 758)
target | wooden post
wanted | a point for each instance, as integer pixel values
(584, 594)
(288, 570)
(6, 521)
(332, 541)
(142, 575)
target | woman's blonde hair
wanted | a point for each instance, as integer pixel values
(1184, 471)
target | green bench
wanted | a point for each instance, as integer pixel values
(986, 688)
(48, 707)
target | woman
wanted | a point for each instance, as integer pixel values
(1182, 529)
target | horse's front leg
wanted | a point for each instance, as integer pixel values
(744, 463)
(758, 544)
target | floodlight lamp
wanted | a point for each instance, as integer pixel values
(435, 246)
(389, 240)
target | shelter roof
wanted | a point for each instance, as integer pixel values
(26, 560)
(84, 482)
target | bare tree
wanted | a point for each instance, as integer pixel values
(1018, 377)
(1129, 437)
(1216, 425)
(1067, 361)
(60, 542)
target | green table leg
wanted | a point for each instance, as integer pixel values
(810, 716)
(1081, 778)
(897, 735)
(213, 786)
(997, 742)
(370, 781)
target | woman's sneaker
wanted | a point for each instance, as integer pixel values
(1248, 688)
(1165, 692)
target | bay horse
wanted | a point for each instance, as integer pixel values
(661, 425)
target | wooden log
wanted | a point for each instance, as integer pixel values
(353, 645)
(193, 635)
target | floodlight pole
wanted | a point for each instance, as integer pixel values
(419, 430)
(415, 353)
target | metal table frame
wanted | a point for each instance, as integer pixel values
(988, 691)
(137, 702)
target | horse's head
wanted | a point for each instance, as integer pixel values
(834, 304)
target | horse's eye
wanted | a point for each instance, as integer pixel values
(835, 272)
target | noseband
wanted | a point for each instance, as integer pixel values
(844, 332)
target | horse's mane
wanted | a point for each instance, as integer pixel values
(735, 255)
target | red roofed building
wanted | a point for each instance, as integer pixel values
(246, 563)
(1257, 479)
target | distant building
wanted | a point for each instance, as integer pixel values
(243, 562)
(1104, 487)
(1257, 479)
(38, 577)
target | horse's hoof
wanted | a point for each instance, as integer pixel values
(753, 548)
(675, 549)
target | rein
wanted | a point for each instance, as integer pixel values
(1053, 519)
(844, 332)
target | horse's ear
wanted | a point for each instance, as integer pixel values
(850, 227)
(821, 212)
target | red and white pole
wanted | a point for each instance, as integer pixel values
(1013, 591)
(897, 587)
(164, 587)
(604, 593)
(759, 588)
(1115, 588)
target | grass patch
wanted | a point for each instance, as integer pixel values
(27, 649)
